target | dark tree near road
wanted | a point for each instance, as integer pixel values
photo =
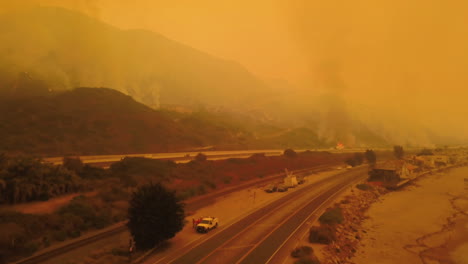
(398, 152)
(370, 157)
(155, 215)
(290, 153)
(201, 157)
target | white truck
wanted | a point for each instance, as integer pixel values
(206, 224)
(290, 181)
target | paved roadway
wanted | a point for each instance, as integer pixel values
(187, 156)
(257, 237)
(74, 249)
(172, 156)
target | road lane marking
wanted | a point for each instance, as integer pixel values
(235, 247)
(305, 220)
(249, 227)
(279, 225)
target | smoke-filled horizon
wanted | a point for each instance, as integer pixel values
(398, 60)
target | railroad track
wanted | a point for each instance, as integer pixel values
(191, 205)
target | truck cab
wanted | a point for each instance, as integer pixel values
(206, 224)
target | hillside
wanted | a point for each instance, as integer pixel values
(67, 49)
(54, 49)
(105, 121)
(101, 121)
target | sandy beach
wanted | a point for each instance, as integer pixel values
(425, 222)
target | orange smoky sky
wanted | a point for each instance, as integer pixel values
(409, 58)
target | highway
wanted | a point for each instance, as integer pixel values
(176, 156)
(186, 156)
(59, 254)
(259, 236)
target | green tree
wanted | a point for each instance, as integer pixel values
(155, 214)
(370, 157)
(201, 157)
(359, 158)
(73, 164)
(398, 152)
(290, 153)
(425, 152)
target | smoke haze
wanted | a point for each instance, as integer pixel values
(399, 65)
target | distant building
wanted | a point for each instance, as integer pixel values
(391, 172)
(433, 161)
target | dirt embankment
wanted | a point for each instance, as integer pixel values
(349, 234)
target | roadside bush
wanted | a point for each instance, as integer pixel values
(93, 173)
(153, 206)
(210, 184)
(237, 161)
(323, 234)
(73, 164)
(363, 187)
(28, 248)
(331, 216)
(119, 252)
(114, 194)
(102, 220)
(201, 190)
(356, 160)
(80, 206)
(187, 193)
(200, 157)
(307, 261)
(290, 153)
(301, 252)
(159, 169)
(257, 156)
(227, 179)
(74, 233)
(59, 235)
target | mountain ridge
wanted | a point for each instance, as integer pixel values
(70, 49)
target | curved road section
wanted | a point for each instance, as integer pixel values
(258, 236)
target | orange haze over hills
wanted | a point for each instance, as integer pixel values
(405, 60)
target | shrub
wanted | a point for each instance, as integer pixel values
(301, 252)
(370, 156)
(201, 190)
(307, 261)
(363, 187)
(351, 162)
(102, 220)
(290, 153)
(119, 252)
(332, 216)
(80, 207)
(114, 194)
(73, 164)
(201, 157)
(29, 248)
(227, 179)
(237, 161)
(155, 215)
(257, 156)
(90, 172)
(59, 235)
(323, 234)
(210, 184)
(74, 233)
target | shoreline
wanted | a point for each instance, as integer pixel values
(424, 222)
